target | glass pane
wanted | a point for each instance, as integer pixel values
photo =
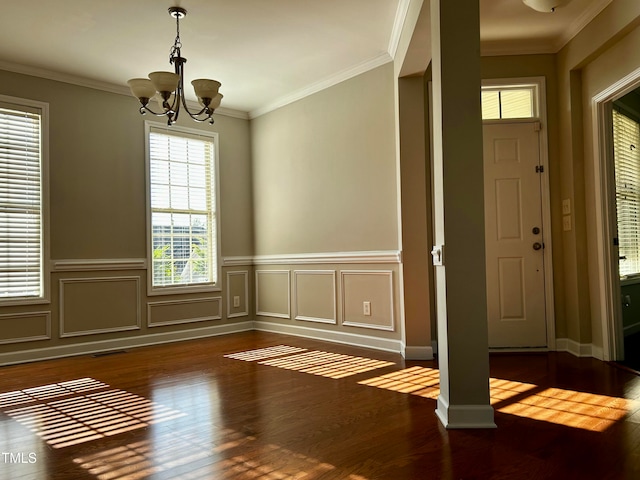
(490, 104)
(626, 135)
(516, 103)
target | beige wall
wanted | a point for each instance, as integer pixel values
(324, 171)
(325, 184)
(417, 230)
(97, 212)
(603, 53)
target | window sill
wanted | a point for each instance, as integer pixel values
(14, 302)
(156, 291)
(630, 279)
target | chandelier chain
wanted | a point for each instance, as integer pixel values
(177, 43)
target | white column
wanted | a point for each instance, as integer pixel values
(463, 354)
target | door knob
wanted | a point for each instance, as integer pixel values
(537, 246)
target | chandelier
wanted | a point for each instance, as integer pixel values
(168, 87)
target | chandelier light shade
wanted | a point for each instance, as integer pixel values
(168, 87)
(545, 6)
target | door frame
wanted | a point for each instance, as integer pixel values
(606, 227)
(541, 110)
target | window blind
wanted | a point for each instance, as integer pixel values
(507, 103)
(626, 140)
(182, 200)
(21, 273)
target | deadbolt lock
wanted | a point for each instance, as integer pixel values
(536, 230)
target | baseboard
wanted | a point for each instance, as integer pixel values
(417, 353)
(385, 344)
(86, 348)
(579, 349)
(464, 416)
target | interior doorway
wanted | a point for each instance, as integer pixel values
(612, 274)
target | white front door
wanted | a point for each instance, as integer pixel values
(513, 235)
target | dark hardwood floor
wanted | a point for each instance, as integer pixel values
(292, 408)
(632, 352)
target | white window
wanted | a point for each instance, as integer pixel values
(22, 201)
(509, 102)
(626, 150)
(183, 230)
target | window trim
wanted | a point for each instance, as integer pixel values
(44, 202)
(193, 288)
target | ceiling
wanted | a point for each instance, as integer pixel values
(266, 53)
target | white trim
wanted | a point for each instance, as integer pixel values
(398, 25)
(316, 87)
(296, 316)
(388, 273)
(95, 264)
(124, 328)
(46, 336)
(117, 344)
(150, 305)
(539, 84)
(246, 261)
(592, 10)
(579, 349)
(384, 344)
(464, 416)
(364, 257)
(246, 294)
(274, 314)
(417, 353)
(607, 274)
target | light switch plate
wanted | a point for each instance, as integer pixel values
(566, 206)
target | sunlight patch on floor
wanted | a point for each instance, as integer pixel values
(65, 414)
(421, 381)
(315, 362)
(588, 411)
(263, 353)
(172, 455)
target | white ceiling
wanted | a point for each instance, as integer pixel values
(266, 53)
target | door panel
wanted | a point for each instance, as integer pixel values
(514, 252)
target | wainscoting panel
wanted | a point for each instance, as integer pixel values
(273, 293)
(314, 294)
(374, 287)
(25, 327)
(174, 312)
(238, 287)
(91, 306)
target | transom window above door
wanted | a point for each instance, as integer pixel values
(509, 102)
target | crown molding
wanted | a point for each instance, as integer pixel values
(330, 81)
(97, 85)
(591, 12)
(398, 25)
